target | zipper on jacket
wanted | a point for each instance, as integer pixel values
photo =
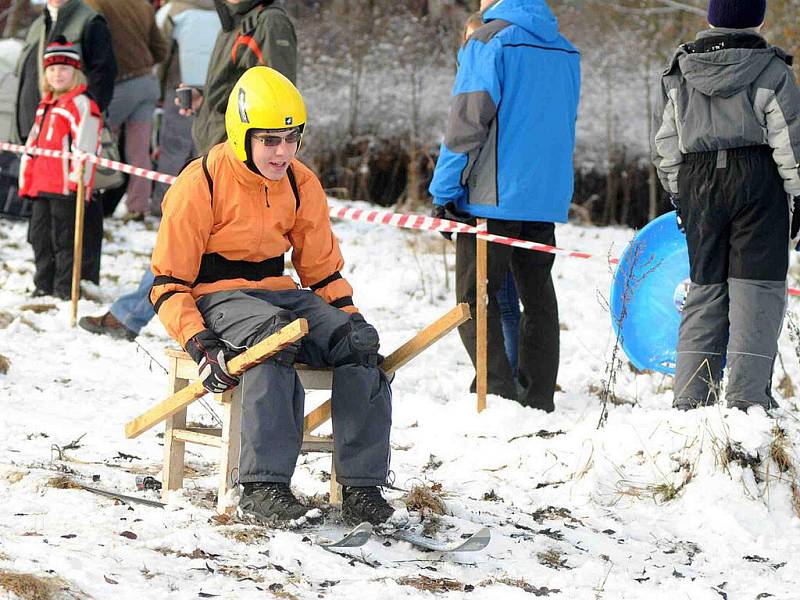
(262, 219)
(41, 127)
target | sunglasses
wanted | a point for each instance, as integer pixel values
(275, 140)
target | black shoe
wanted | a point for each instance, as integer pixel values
(39, 292)
(107, 324)
(361, 504)
(273, 502)
(685, 403)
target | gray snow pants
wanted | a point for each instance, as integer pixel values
(737, 229)
(273, 397)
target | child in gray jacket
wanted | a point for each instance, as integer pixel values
(727, 146)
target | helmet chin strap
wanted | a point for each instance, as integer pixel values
(248, 148)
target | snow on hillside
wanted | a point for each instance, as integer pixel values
(657, 504)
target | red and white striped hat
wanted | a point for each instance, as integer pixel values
(62, 52)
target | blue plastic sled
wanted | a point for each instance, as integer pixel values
(648, 293)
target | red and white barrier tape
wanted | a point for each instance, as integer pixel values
(103, 162)
(405, 221)
(422, 223)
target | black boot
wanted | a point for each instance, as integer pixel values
(361, 504)
(273, 502)
(686, 403)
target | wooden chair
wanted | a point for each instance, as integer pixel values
(183, 370)
(184, 389)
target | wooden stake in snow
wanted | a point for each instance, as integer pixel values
(77, 254)
(481, 302)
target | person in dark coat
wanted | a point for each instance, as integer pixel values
(79, 25)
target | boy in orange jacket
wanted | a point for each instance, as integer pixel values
(219, 287)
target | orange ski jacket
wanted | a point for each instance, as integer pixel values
(225, 227)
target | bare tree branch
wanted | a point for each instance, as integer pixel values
(666, 7)
(684, 6)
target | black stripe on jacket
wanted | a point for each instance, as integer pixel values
(215, 267)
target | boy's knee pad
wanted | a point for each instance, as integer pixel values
(355, 342)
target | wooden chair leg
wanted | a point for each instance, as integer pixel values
(174, 455)
(231, 402)
(174, 450)
(336, 489)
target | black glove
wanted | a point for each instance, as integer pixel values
(438, 212)
(795, 227)
(676, 203)
(450, 213)
(211, 354)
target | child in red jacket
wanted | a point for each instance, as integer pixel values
(67, 120)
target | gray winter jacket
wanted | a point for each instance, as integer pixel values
(728, 89)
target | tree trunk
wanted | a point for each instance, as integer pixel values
(355, 96)
(412, 179)
(628, 180)
(652, 183)
(611, 184)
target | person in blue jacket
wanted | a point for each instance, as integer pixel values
(507, 157)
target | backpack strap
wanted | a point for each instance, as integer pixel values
(293, 183)
(206, 172)
(209, 180)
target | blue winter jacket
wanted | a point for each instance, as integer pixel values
(507, 153)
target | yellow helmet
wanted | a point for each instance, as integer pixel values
(263, 98)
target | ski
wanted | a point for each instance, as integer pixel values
(355, 538)
(121, 497)
(477, 541)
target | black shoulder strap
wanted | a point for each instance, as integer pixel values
(209, 180)
(293, 183)
(206, 172)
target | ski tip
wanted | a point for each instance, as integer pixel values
(475, 542)
(481, 538)
(355, 538)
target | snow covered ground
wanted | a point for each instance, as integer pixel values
(656, 504)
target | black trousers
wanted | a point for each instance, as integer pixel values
(92, 241)
(51, 232)
(539, 329)
(736, 214)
